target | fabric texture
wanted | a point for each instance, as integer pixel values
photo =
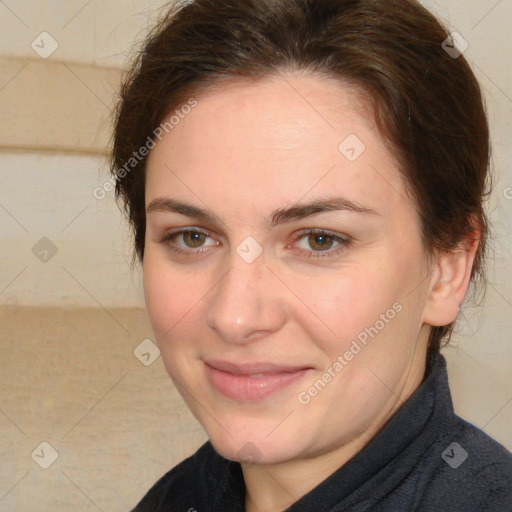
(424, 459)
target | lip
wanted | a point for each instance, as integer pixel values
(253, 368)
(238, 381)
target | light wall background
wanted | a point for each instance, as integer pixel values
(72, 317)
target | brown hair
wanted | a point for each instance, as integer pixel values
(428, 105)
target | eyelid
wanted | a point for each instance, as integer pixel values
(343, 240)
(321, 231)
(173, 233)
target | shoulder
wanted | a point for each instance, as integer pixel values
(491, 463)
(486, 457)
(473, 473)
(186, 482)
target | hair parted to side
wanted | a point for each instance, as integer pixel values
(428, 107)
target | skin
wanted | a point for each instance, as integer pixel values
(244, 151)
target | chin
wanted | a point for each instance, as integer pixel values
(253, 452)
(251, 444)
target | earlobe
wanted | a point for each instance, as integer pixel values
(449, 283)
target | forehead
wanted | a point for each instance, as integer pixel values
(281, 138)
(283, 112)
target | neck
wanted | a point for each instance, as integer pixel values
(271, 488)
(276, 487)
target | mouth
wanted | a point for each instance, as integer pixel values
(254, 381)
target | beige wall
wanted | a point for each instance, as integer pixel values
(71, 324)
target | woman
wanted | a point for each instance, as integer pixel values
(305, 182)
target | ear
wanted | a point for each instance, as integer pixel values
(449, 282)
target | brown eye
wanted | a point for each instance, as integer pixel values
(320, 242)
(186, 241)
(193, 239)
(317, 243)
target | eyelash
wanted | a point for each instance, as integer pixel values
(343, 242)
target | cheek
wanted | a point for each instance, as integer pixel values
(170, 298)
(173, 302)
(341, 305)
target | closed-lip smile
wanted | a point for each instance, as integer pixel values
(252, 381)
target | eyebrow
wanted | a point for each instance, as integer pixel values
(279, 216)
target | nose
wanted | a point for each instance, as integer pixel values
(247, 303)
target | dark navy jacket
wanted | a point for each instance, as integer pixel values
(424, 459)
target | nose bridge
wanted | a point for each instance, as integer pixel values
(244, 300)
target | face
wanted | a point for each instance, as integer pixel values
(288, 329)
